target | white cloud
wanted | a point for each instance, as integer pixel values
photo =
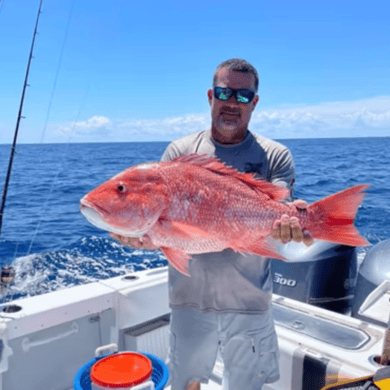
(97, 125)
(369, 117)
(167, 127)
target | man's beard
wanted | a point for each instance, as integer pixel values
(228, 125)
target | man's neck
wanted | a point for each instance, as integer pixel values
(236, 138)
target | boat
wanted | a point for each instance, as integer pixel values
(46, 339)
(323, 337)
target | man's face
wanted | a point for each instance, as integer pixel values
(230, 117)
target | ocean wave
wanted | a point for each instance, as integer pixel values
(88, 260)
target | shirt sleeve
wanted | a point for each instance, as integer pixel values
(170, 152)
(283, 171)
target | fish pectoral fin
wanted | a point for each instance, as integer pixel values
(190, 231)
(262, 248)
(178, 259)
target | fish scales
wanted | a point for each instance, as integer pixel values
(211, 200)
(196, 204)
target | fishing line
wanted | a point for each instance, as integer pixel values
(58, 71)
(13, 147)
(61, 165)
(54, 182)
(54, 88)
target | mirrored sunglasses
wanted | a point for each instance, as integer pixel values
(242, 95)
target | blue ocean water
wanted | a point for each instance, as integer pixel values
(51, 245)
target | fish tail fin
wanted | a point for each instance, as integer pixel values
(337, 213)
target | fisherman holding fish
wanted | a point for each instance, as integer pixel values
(214, 224)
(228, 305)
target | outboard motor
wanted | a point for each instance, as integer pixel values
(374, 269)
(323, 274)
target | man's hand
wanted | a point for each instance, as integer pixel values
(287, 229)
(135, 242)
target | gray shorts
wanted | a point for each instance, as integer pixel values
(247, 343)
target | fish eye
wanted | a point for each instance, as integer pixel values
(121, 187)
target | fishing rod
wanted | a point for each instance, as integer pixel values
(7, 273)
(7, 179)
(47, 114)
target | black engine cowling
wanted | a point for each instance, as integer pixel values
(323, 274)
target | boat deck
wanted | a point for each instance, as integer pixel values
(53, 335)
(209, 386)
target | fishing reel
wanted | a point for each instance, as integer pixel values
(7, 276)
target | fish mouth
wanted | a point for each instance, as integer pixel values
(95, 215)
(95, 218)
(84, 204)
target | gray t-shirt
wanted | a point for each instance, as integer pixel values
(228, 282)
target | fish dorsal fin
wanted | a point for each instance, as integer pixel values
(212, 164)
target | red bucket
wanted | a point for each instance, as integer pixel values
(121, 371)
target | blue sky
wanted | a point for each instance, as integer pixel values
(134, 71)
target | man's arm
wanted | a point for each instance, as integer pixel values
(286, 228)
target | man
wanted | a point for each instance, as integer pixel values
(225, 304)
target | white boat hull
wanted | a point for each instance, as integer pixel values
(53, 335)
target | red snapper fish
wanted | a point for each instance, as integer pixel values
(196, 204)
